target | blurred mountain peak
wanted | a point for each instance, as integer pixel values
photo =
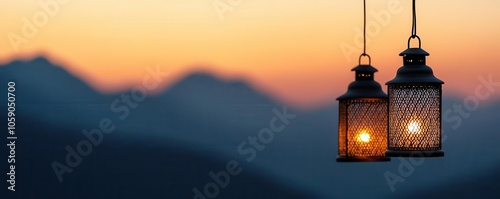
(45, 82)
(40, 59)
(205, 79)
(205, 88)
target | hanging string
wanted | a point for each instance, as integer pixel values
(364, 28)
(414, 22)
(364, 36)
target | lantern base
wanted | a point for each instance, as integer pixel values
(363, 159)
(398, 153)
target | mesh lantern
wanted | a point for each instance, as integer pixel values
(415, 97)
(362, 132)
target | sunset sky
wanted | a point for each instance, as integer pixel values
(291, 50)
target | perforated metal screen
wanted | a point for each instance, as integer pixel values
(363, 127)
(414, 117)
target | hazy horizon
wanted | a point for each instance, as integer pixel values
(173, 82)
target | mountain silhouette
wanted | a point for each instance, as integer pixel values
(196, 126)
(53, 109)
(40, 78)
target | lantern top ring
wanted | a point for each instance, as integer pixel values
(413, 37)
(365, 55)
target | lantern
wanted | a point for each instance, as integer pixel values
(362, 133)
(415, 97)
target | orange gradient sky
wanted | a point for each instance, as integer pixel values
(288, 49)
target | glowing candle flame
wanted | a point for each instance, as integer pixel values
(363, 137)
(414, 127)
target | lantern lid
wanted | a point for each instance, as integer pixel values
(414, 51)
(414, 70)
(365, 86)
(364, 68)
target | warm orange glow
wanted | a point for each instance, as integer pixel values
(414, 127)
(364, 136)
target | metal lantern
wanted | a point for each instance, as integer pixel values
(415, 107)
(363, 118)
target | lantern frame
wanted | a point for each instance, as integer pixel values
(415, 107)
(363, 106)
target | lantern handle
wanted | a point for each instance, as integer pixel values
(413, 37)
(365, 55)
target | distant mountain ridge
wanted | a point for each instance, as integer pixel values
(211, 118)
(53, 107)
(46, 80)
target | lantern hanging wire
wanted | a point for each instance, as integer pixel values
(414, 21)
(364, 28)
